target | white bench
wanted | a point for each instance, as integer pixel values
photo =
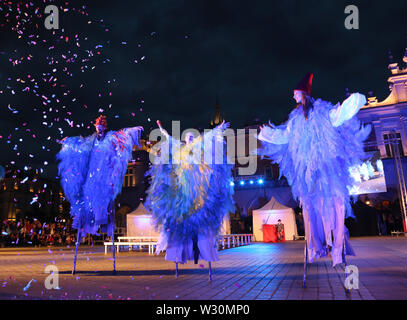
(151, 245)
(397, 233)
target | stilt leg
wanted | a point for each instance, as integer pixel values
(344, 261)
(176, 269)
(76, 250)
(210, 270)
(305, 265)
(113, 251)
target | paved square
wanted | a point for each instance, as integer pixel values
(258, 271)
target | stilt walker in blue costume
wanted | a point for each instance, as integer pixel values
(190, 194)
(315, 149)
(92, 170)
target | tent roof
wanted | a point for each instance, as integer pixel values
(273, 204)
(141, 210)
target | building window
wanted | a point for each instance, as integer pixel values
(395, 139)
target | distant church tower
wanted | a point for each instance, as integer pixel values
(218, 117)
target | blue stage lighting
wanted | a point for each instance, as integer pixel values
(242, 183)
(232, 183)
(251, 181)
(260, 181)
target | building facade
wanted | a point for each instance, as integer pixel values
(27, 194)
(388, 119)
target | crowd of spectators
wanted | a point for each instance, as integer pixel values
(388, 217)
(32, 232)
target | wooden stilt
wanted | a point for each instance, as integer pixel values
(305, 265)
(344, 261)
(78, 239)
(176, 269)
(113, 251)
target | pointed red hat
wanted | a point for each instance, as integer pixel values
(305, 84)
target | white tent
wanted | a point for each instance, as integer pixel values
(140, 223)
(269, 214)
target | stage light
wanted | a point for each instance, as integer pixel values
(260, 181)
(232, 183)
(242, 183)
(251, 181)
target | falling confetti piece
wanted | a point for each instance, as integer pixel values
(29, 284)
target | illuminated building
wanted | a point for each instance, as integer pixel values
(27, 194)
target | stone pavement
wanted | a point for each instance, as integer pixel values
(258, 271)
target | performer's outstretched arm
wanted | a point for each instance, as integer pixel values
(347, 109)
(217, 131)
(135, 133)
(274, 135)
(163, 131)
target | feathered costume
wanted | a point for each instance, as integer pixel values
(315, 155)
(189, 196)
(92, 173)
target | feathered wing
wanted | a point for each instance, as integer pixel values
(108, 165)
(189, 196)
(347, 110)
(162, 191)
(220, 200)
(92, 173)
(73, 168)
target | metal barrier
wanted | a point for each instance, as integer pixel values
(234, 240)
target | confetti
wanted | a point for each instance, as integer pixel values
(29, 284)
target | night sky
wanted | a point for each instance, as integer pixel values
(250, 53)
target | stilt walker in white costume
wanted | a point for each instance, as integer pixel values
(189, 196)
(315, 149)
(92, 170)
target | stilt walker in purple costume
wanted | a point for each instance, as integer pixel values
(190, 195)
(315, 149)
(92, 170)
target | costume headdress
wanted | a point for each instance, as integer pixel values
(101, 120)
(305, 84)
